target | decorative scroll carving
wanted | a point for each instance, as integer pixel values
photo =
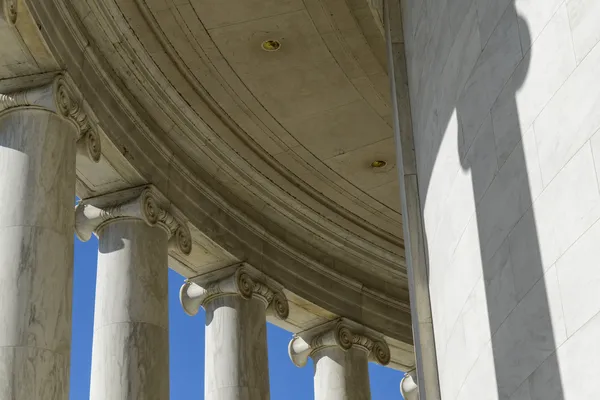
(380, 352)
(89, 145)
(193, 296)
(279, 306)
(181, 239)
(58, 97)
(341, 335)
(92, 214)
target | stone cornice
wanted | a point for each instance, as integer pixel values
(9, 11)
(59, 97)
(340, 333)
(199, 291)
(144, 203)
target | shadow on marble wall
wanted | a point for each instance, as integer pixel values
(511, 354)
(518, 304)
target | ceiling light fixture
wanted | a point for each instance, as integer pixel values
(378, 164)
(271, 45)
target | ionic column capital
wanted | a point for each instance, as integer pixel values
(59, 97)
(340, 333)
(143, 203)
(197, 292)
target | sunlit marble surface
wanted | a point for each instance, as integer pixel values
(37, 187)
(130, 355)
(341, 375)
(236, 363)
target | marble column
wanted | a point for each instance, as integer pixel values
(341, 355)
(236, 363)
(39, 133)
(409, 387)
(130, 353)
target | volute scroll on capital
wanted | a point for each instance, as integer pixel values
(192, 295)
(338, 334)
(142, 203)
(58, 97)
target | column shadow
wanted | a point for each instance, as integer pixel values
(518, 306)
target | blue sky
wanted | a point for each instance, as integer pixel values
(187, 345)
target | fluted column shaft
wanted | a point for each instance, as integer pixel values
(130, 354)
(236, 307)
(38, 146)
(341, 375)
(236, 361)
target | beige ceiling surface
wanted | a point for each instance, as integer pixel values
(318, 105)
(282, 140)
(266, 154)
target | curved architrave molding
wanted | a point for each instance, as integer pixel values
(340, 333)
(333, 234)
(287, 262)
(247, 140)
(198, 291)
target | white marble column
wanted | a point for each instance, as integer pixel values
(130, 354)
(236, 361)
(409, 387)
(38, 144)
(341, 355)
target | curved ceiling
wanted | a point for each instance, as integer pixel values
(289, 132)
(316, 109)
(266, 152)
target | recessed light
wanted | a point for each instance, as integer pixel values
(271, 45)
(378, 164)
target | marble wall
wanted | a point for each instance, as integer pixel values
(505, 99)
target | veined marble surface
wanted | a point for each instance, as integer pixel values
(37, 187)
(130, 361)
(33, 373)
(130, 355)
(236, 360)
(341, 375)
